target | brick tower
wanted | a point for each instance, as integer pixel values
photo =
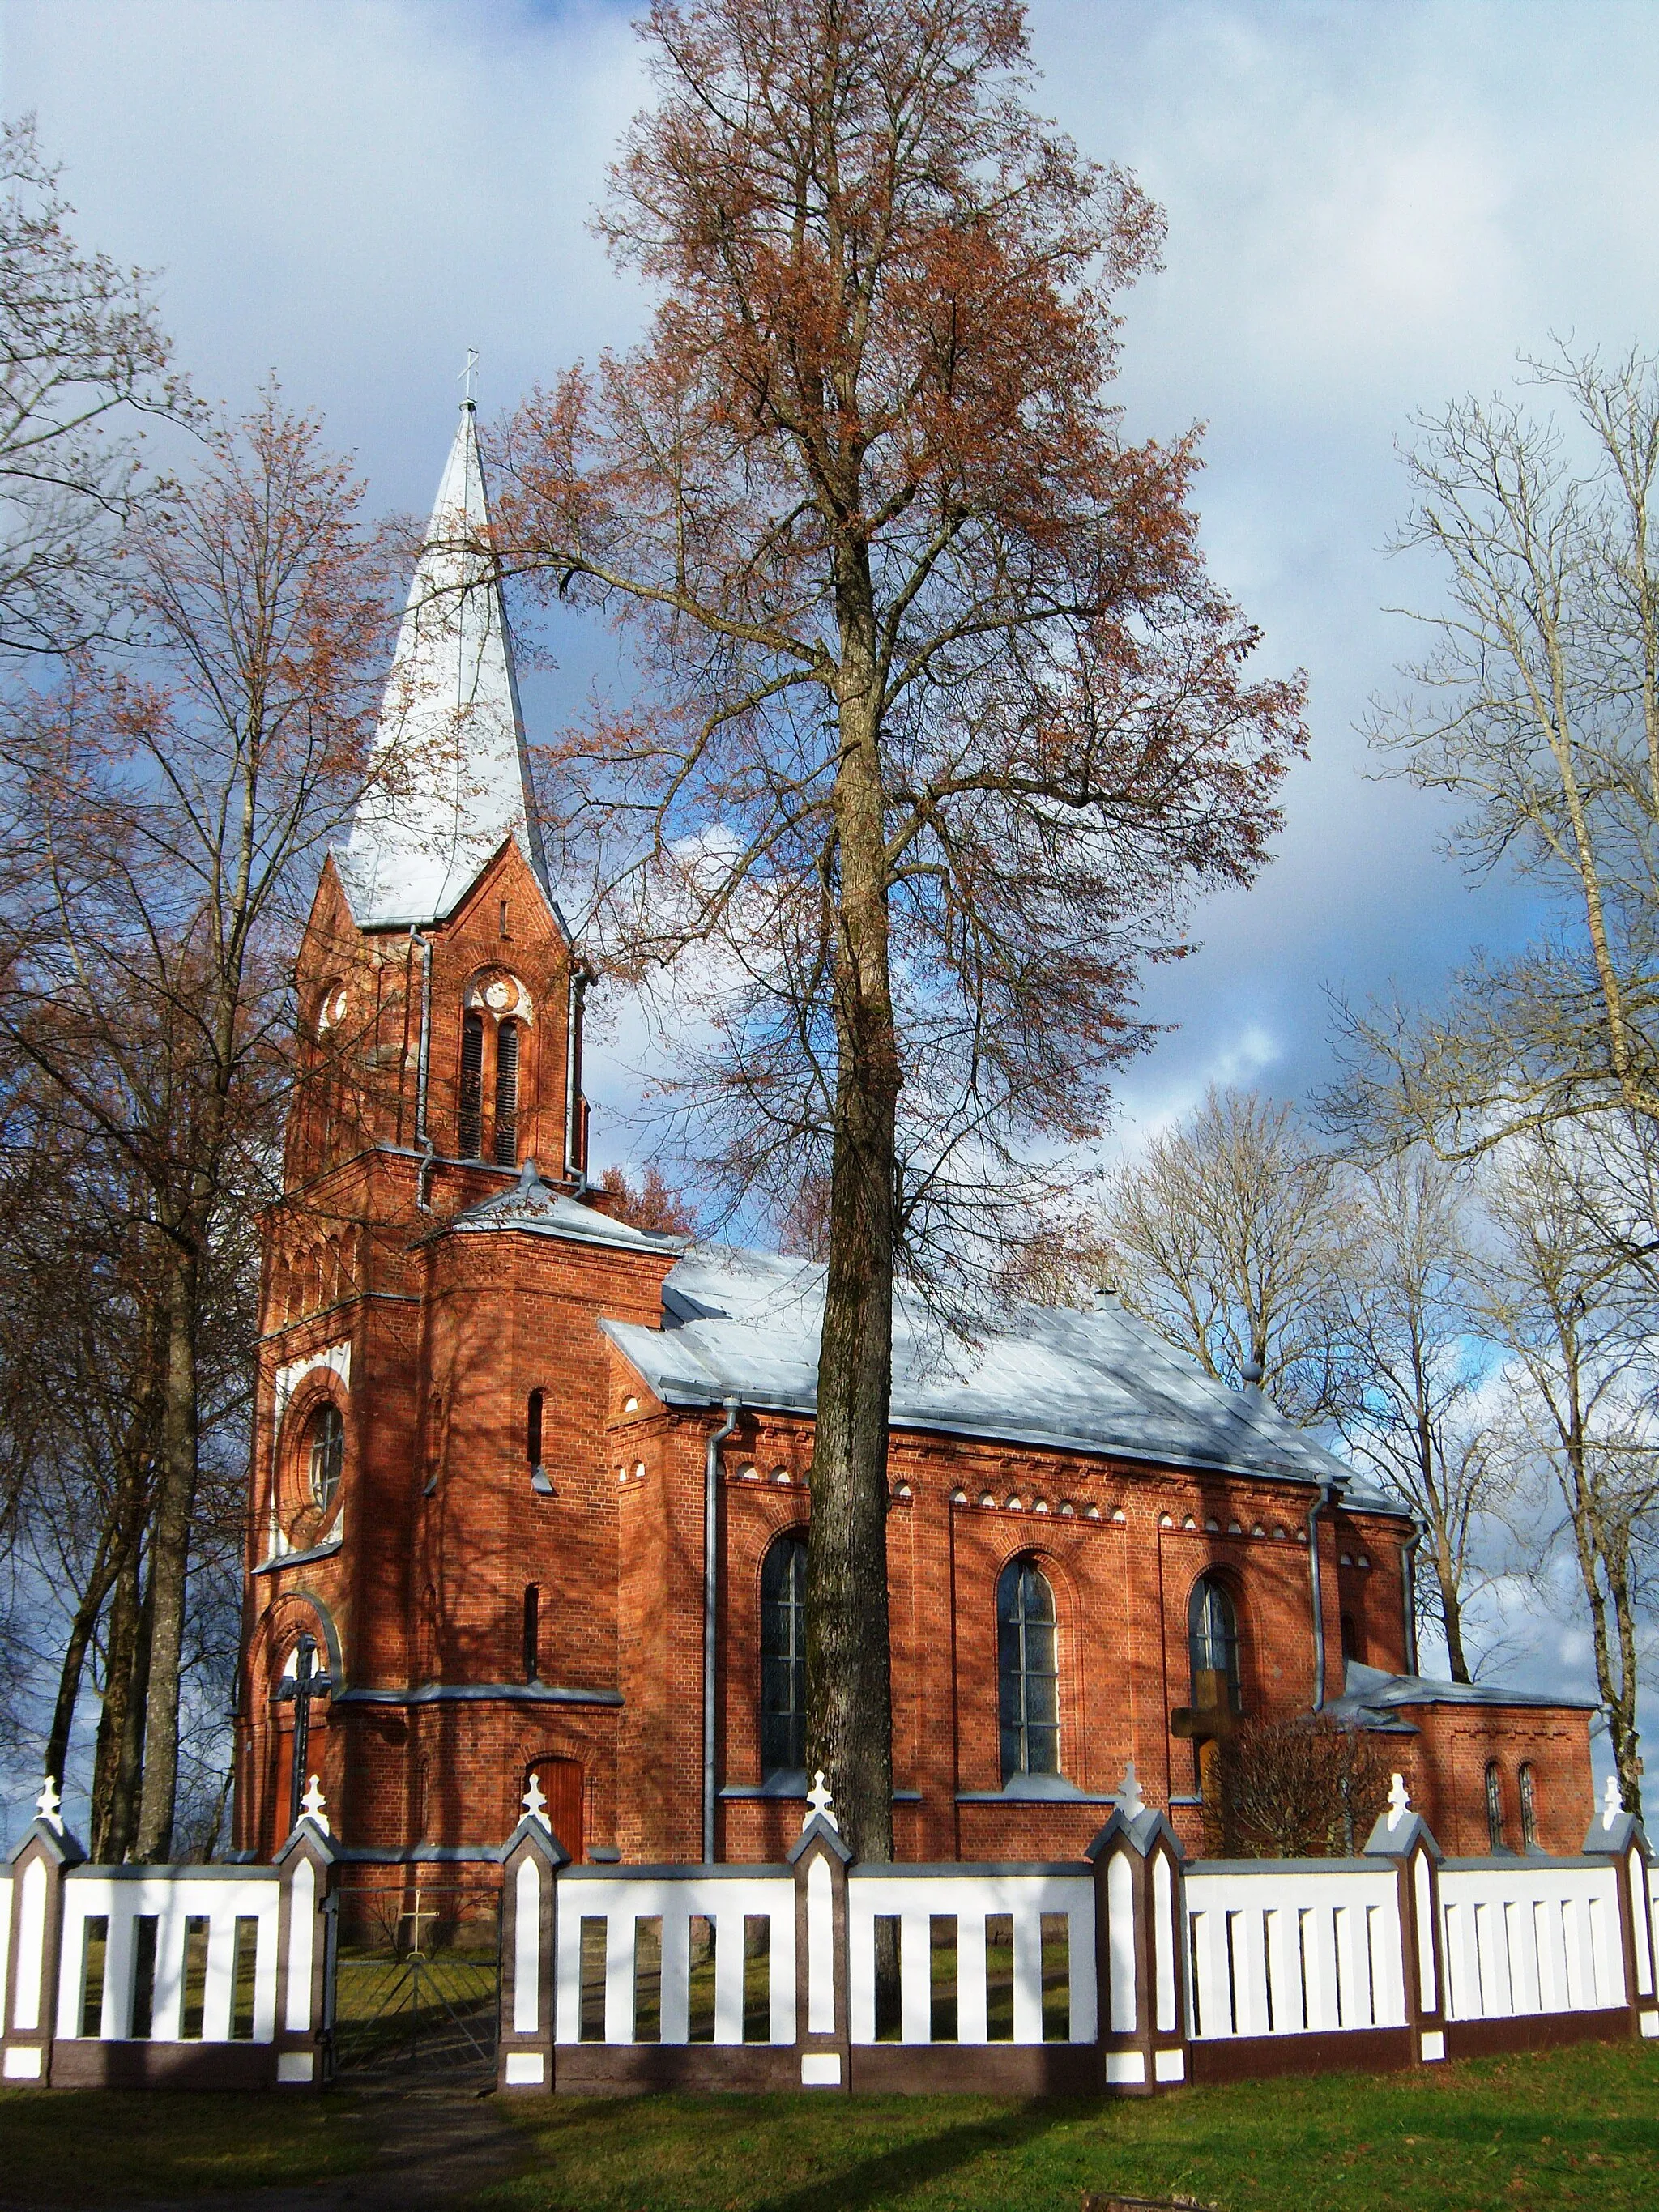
(431, 1564)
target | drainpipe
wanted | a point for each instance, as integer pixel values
(579, 980)
(1408, 1590)
(1320, 1504)
(711, 1569)
(422, 1137)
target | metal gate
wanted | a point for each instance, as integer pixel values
(413, 1981)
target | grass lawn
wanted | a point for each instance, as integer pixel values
(1576, 2127)
(87, 2147)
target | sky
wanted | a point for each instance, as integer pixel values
(1372, 209)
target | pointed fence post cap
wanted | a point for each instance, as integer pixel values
(1613, 1803)
(1129, 1800)
(535, 1804)
(819, 1804)
(312, 1803)
(1400, 1803)
(47, 1804)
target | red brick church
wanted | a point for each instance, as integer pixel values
(531, 1486)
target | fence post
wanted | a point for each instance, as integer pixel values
(823, 2018)
(306, 1936)
(1619, 1836)
(531, 1859)
(35, 1939)
(1403, 1836)
(1141, 1951)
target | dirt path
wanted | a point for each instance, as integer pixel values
(432, 2150)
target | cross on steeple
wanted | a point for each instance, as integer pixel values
(469, 377)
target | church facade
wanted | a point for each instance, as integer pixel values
(530, 1487)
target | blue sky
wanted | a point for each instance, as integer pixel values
(1371, 209)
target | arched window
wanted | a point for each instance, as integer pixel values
(1529, 1809)
(1494, 1806)
(532, 1632)
(1212, 1645)
(507, 1095)
(1028, 1672)
(327, 1456)
(532, 1429)
(783, 1658)
(470, 1139)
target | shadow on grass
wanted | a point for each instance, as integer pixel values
(850, 2179)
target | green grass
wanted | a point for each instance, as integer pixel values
(1573, 2128)
(87, 2147)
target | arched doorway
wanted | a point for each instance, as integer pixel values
(564, 1786)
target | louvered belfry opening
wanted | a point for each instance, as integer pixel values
(507, 1095)
(471, 1143)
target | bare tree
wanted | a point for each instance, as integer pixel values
(941, 719)
(83, 361)
(1304, 1788)
(161, 829)
(1228, 1233)
(1413, 1411)
(1583, 1383)
(1536, 710)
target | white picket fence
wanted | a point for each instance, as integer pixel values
(626, 1943)
(1293, 1947)
(1530, 1935)
(1127, 1969)
(180, 1944)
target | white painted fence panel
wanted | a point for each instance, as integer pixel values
(1530, 1935)
(1287, 1947)
(916, 1896)
(620, 1901)
(222, 1896)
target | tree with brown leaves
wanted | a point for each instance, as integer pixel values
(163, 815)
(940, 719)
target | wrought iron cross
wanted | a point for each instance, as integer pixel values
(307, 1684)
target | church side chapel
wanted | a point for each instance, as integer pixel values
(520, 1465)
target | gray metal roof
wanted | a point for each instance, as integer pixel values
(449, 775)
(745, 1324)
(1374, 1698)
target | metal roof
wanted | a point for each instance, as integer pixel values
(745, 1324)
(449, 775)
(1373, 1699)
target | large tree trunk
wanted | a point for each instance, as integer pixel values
(119, 1765)
(170, 1564)
(84, 1622)
(1451, 1608)
(849, 1715)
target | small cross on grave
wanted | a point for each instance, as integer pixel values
(1400, 1802)
(819, 1802)
(1612, 1803)
(46, 1805)
(416, 1915)
(311, 1805)
(536, 1804)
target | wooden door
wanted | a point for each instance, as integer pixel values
(564, 1785)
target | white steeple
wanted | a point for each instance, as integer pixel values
(449, 775)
